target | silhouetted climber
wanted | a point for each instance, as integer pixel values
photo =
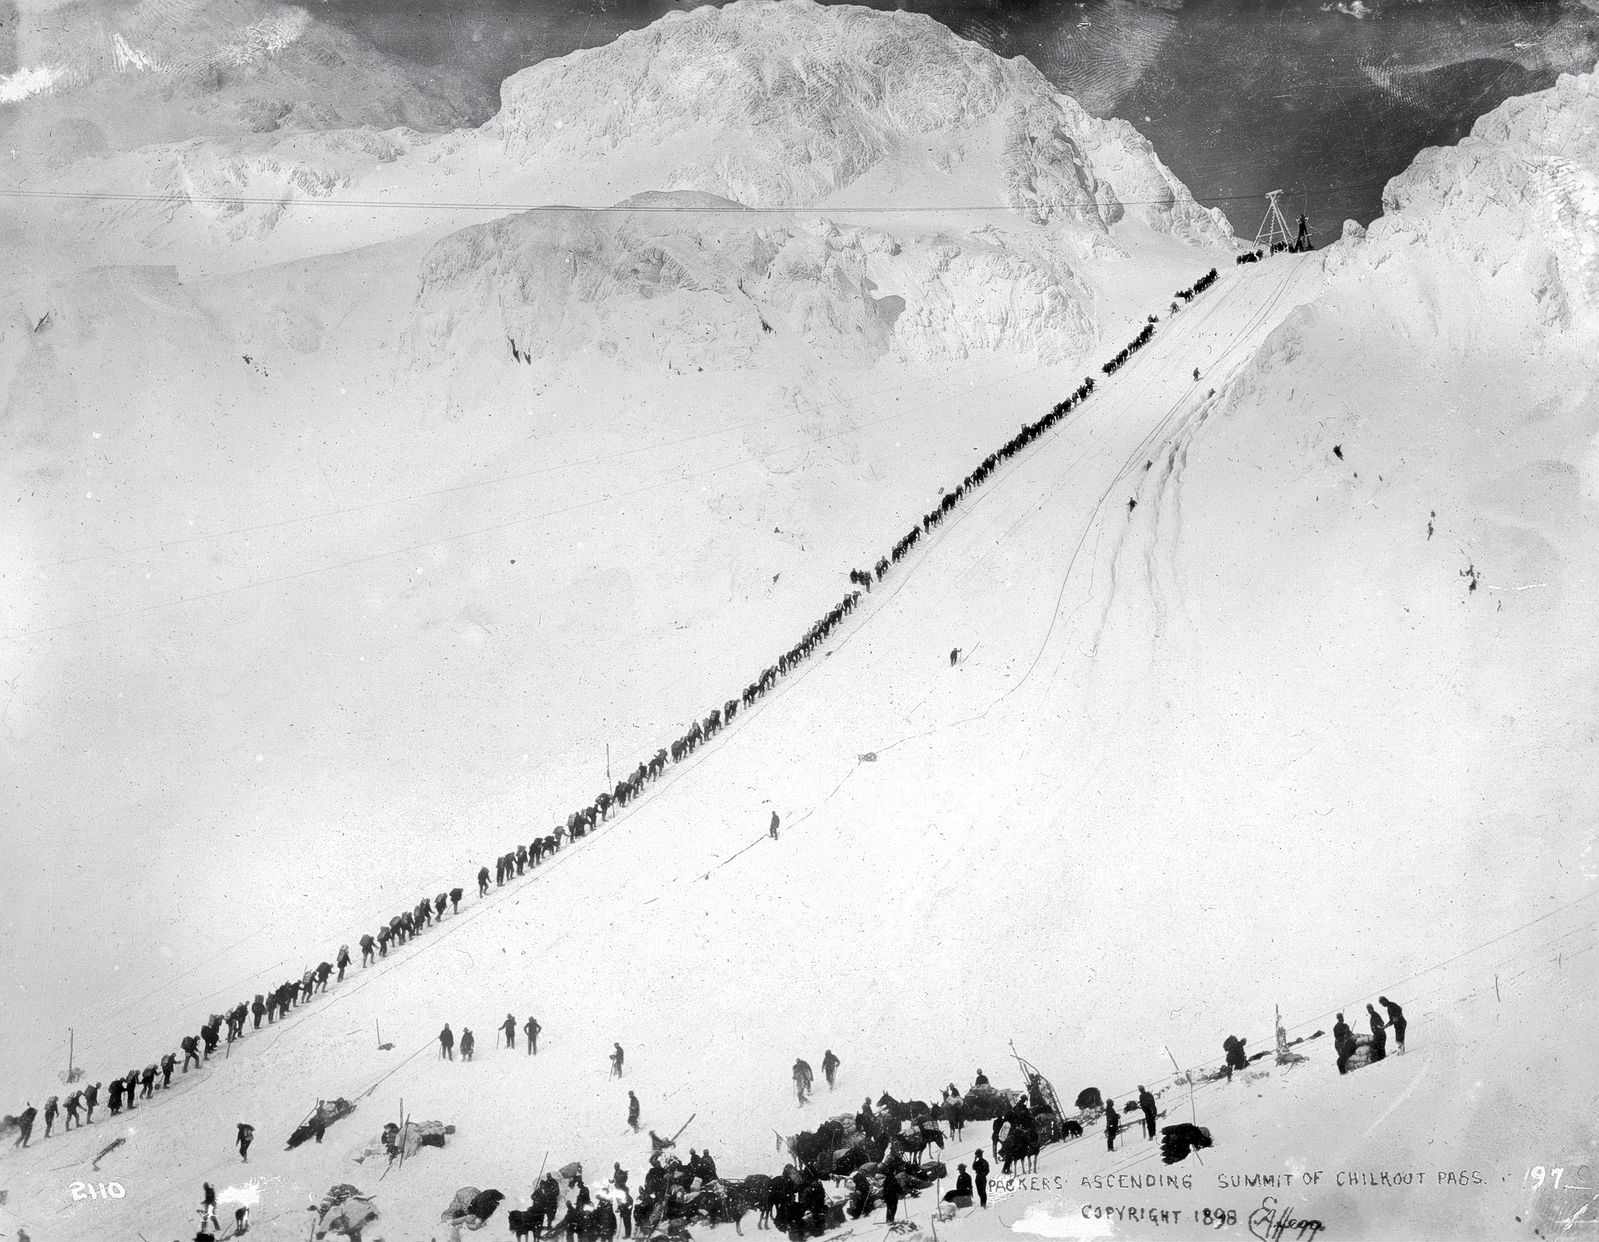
(455, 901)
(1396, 1019)
(802, 1079)
(616, 1061)
(1236, 1060)
(772, 830)
(447, 1043)
(483, 882)
(468, 1042)
(830, 1065)
(531, 1029)
(509, 1027)
(343, 962)
(245, 1138)
(980, 1177)
(954, 656)
(1343, 1043)
(208, 1209)
(632, 1112)
(1146, 1104)
(892, 1193)
(1113, 1125)
(1196, 374)
(1379, 1036)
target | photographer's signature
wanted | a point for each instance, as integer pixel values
(1271, 1223)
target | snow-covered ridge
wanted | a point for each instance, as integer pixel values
(1517, 198)
(560, 283)
(789, 102)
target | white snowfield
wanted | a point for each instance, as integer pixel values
(1275, 686)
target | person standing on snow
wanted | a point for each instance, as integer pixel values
(980, 1177)
(208, 1209)
(772, 830)
(1343, 1043)
(1396, 1019)
(468, 1042)
(1113, 1125)
(802, 1080)
(446, 1043)
(830, 1065)
(1146, 1104)
(245, 1137)
(1379, 1036)
(509, 1027)
(25, 1125)
(632, 1112)
(616, 1061)
(891, 1195)
(531, 1029)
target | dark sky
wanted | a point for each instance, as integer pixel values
(1238, 96)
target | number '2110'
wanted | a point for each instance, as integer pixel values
(96, 1190)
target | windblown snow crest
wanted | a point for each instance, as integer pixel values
(1517, 200)
(802, 101)
(551, 285)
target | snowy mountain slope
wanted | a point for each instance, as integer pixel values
(1229, 720)
(809, 101)
(305, 506)
(95, 78)
(321, 450)
(914, 815)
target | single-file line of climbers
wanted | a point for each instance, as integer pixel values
(408, 924)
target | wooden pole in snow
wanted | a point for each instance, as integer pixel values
(1192, 1113)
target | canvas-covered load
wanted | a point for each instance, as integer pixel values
(396, 1141)
(324, 1115)
(343, 1213)
(471, 1207)
(1361, 1056)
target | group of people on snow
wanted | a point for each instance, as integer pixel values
(506, 1031)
